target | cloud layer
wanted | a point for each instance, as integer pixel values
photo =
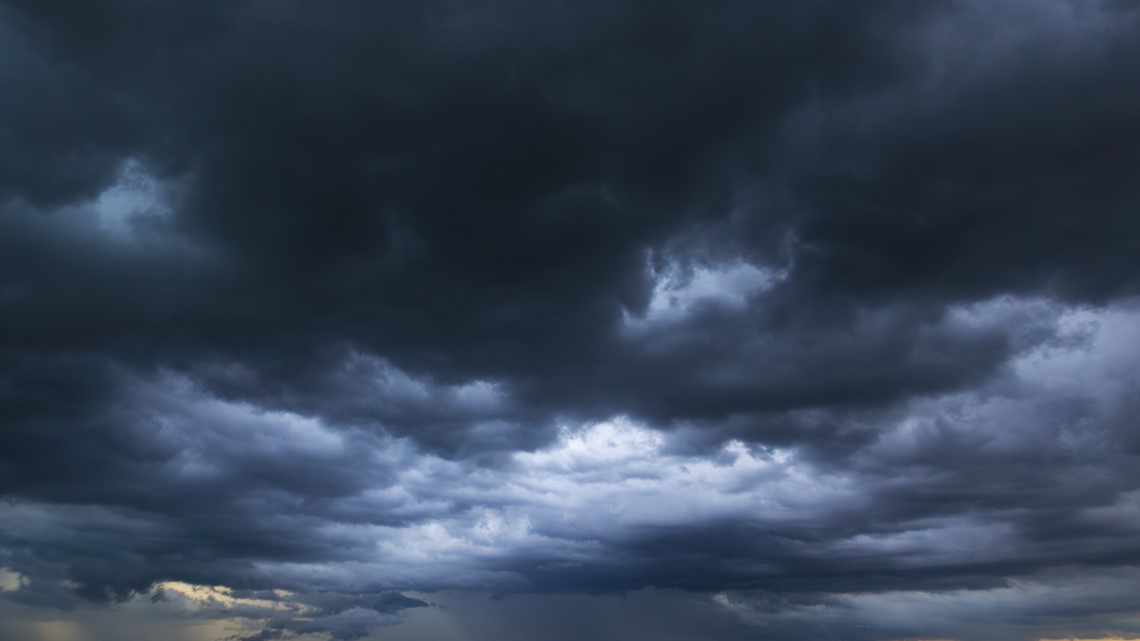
(786, 316)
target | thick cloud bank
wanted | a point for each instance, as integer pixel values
(811, 319)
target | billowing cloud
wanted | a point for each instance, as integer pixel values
(783, 316)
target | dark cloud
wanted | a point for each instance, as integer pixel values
(788, 298)
(341, 199)
(340, 616)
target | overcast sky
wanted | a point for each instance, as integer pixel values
(569, 320)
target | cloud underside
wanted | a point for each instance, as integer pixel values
(777, 316)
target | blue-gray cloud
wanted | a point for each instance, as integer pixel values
(796, 309)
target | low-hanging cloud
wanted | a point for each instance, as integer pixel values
(785, 314)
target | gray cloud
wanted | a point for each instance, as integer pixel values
(807, 305)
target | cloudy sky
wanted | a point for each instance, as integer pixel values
(567, 320)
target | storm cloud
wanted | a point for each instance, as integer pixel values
(764, 319)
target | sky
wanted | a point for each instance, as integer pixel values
(555, 320)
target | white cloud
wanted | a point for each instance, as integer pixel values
(678, 292)
(134, 197)
(10, 581)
